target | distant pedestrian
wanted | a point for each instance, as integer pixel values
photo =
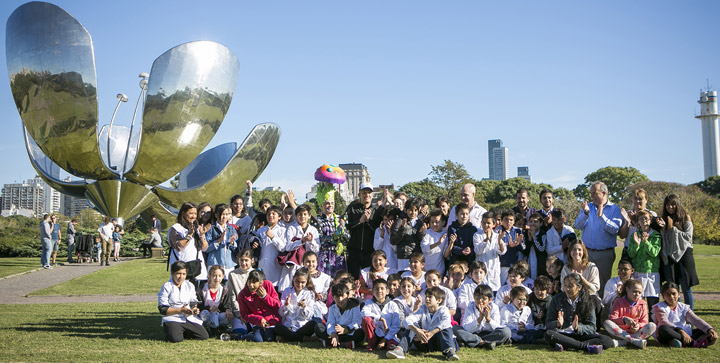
(70, 235)
(45, 238)
(55, 236)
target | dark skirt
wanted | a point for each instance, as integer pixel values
(675, 271)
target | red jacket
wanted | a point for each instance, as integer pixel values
(253, 308)
(621, 308)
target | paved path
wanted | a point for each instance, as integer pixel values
(15, 289)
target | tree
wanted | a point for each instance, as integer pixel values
(450, 177)
(273, 195)
(710, 185)
(617, 179)
(425, 189)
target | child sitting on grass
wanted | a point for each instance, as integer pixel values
(344, 321)
(628, 320)
(675, 321)
(517, 316)
(481, 322)
(177, 302)
(381, 318)
(428, 329)
(297, 308)
(259, 306)
(215, 302)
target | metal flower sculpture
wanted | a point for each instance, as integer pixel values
(184, 100)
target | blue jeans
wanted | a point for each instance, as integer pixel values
(47, 249)
(260, 335)
(442, 341)
(688, 297)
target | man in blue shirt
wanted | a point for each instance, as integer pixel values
(55, 236)
(600, 222)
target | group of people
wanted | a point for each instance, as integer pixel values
(50, 237)
(396, 275)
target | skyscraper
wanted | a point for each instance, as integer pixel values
(711, 141)
(524, 172)
(497, 160)
(355, 174)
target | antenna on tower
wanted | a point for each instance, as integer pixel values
(707, 81)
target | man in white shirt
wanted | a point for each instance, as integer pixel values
(467, 196)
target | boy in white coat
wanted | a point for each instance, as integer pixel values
(381, 318)
(429, 328)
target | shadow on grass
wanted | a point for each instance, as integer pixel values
(704, 312)
(104, 325)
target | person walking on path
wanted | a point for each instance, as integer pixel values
(56, 236)
(45, 238)
(70, 235)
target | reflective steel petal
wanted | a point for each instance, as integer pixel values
(167, 218)
(248, 163)
(189, 93)
(50, 172)
(52, 77)
(115, 198)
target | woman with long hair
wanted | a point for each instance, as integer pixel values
(187, 239)
(677, 247)
(578, 262)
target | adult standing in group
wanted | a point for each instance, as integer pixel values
(362, 219)
(331, 228)
(70, 235)
(45, 239)
(600, 221)
(522, 198)
(187, 240)
(56, 236)
(467, 196)
(106, 230)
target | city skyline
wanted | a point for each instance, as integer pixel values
(362, 82)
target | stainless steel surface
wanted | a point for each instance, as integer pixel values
(247, 163)
(50, 172)
(189, 93)
(120, 199)
(52, 77)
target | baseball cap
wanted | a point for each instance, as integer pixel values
(366, 186)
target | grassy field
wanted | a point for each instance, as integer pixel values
(140, 276)
(132, 332)
(15, 265)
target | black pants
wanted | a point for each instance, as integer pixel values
(146, 249)
(295, 336)
(358, 260)
(442, 341)
(176, 332)
(576, 341)
(357, 336)
(666, 333)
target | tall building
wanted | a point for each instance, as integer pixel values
(524, 172)
(73, 206)
(355, 174)
(53, 199)
(497, 160)
(29, 194)
(709, 119)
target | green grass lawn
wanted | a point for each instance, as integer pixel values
(140, 276)
(15, 265)
(132, 332)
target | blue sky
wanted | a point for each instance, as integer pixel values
(569, 86)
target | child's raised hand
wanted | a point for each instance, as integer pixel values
(541, 315)
(466, 251)
(264, 324)
(453, 238)
(513, 242)
(443, 237)
(560, 319)
(636, 238)
(501, 235)
(307, 238)
(506, 299)
(520, 238)
(254, 245)
(249, 184)
(287, 301)
(645, 236)
(575, 322)
(233, 238)
(302, 304)
(660, 222)
(669, 222)
(318, 296)
(486, 312)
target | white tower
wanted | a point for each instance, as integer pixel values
(711, 138)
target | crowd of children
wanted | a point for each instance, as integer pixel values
(516, 276)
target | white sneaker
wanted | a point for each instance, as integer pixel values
(396, 353)
(640, 343)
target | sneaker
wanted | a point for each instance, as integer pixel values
(47, 267)
(225, 337)
(594, 349)
(489, 345)
(348, 345)
(558, 347)
(102, 263)
(395, 353)
(640, 343)
(675, 344)
(701, 343)
(619, 343)
(450, 355)
(107, 263)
